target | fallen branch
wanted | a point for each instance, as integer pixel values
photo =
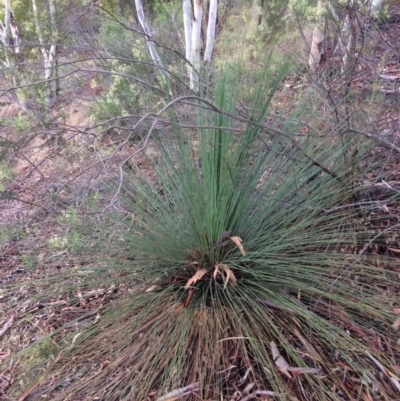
(386, 143)
(7, 326)
(389, 91)
(180, 392)
(390, 77)
(259, 392)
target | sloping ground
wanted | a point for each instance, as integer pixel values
(32, 206)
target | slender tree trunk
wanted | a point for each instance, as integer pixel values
(9, 37)
(376, 6)
(317, 43)
(346, 46)
(351, 39)
(260, 7)
(54, 40)
(187, 24)
(212, 19)
(15, 37)
(48, 55)
(196, 43)
(149, 40)
(5, 33)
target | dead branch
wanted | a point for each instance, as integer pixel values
(7, 326)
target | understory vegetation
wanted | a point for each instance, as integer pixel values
(232, 244)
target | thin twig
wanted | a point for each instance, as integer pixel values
(259, 392)
(274, 305)
(365, 247)
(356, 260)
(390, 77)
(379, 138)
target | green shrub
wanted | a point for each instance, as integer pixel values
(292, 309)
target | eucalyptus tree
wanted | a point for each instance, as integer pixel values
(37, 27)
(11, 41)
(48, 46)
(149, 39)
(348, 15)
(316, 48)
(193, 26)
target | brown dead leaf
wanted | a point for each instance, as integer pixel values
(285, 368)
(229, 273)
(238, 242)
(196, 277)
(279, 360)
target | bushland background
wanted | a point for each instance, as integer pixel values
(108, 110)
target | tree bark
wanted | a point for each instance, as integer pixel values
(149, 39)
(187, 24)
(196, 43)
(376, 6)
(9, 37)
(54, 43)
(212, 19)
(318, 38)
(5, 33)
(351, 38)
(48, 55)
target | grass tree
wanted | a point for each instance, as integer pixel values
(242, 267)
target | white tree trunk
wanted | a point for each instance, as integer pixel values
(351, 39)
(376, 6)
(7, 18)
(212, 20)
(187, 24)
(316, 49)
(5, 33)
(54, 43)
(149, 40)
(15, 36)
(196, 43)
(48, 55)
(9, 37)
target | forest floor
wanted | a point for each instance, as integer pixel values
(47, 180)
